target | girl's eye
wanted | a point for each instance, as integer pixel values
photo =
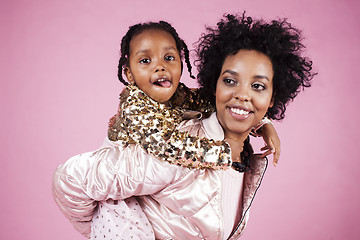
(258, 86)
(144, 60)
(169, 58)
(229, 81)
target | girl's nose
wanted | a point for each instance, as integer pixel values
(159, 67)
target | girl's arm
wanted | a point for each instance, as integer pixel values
(152, 125)
(108, 173)
(272, 142)
(189, 98)
(267, 131)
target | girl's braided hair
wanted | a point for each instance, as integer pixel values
(137, 29)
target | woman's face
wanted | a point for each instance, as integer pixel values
(244, 92)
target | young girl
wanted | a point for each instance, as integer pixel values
(151, 61)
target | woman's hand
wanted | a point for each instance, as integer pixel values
(272, 142)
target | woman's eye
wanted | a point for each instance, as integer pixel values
(144, 60)
(258, 86)
(229, 81)
(169, 58)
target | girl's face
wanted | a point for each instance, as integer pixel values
(244, 92)
(154, 64)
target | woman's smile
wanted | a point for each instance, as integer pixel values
(244, 91)
(239, 112)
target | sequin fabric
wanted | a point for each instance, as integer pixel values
(152, 125)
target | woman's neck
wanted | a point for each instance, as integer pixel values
(236, 142)
(239, 137)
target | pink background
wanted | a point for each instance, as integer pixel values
(58, 62)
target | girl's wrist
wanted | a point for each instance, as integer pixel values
(254, 130)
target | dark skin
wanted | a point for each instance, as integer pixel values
(244, 93)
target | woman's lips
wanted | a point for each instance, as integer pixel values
(239, 112)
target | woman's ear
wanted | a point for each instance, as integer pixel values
(128, 75)
(182, 67)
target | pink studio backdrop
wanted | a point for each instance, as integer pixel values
(58, 62)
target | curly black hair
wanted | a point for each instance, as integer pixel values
(277, 39)
(137, 29)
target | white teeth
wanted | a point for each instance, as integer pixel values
(239, 111)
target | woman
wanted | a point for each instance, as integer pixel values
(247, 70)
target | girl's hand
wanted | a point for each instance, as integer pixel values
(272, 142)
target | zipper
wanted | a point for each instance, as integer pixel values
(242, 219)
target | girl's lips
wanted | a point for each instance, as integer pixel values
(162, 82)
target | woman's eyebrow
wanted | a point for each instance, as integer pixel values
(237, 74)
(230, 72)
(261, 77)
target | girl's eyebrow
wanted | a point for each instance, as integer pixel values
(141, 51)
(170, 48)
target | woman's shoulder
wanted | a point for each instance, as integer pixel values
(194, 127)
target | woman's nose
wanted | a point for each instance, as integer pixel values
(242, 94)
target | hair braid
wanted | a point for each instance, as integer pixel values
(187, 59)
